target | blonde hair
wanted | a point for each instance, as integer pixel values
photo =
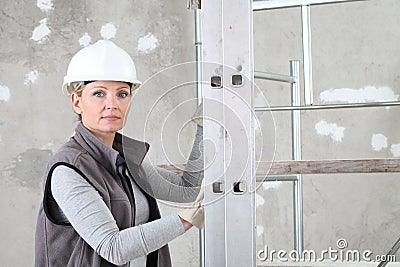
(78, 91)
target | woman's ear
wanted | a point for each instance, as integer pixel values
(76, 103)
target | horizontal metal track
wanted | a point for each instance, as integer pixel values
(277, 178)
(274, 4)
(274, 77)
(331, 106)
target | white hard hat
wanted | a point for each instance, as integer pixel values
(101, 61)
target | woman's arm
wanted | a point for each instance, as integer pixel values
(167, 185)
(93, 221)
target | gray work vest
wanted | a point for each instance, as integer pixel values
(57, 244)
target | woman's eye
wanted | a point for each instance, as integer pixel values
(123, 94)
(98, 94)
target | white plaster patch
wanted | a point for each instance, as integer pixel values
(260, 230)
(4, 93)
(378, 142)
(272, 185)
(330, 129)
(31, 77)
(41, 32)
(395, 149)
(108, 31)
(45, 5)
(147, 43)
(85, 40)
(366, 94)
(259, 200)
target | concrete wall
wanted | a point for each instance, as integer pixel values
(38, 38)
(355, 46)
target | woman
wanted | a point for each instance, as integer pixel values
(99, 205)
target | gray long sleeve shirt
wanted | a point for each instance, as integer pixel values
(83, 207)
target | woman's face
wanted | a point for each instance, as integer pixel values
(103, 106)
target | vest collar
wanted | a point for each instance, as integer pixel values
(135, 150)
(130, 149)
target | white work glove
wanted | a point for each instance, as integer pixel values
(194, 213)
(198, 115)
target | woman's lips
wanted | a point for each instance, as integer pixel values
(111, 117)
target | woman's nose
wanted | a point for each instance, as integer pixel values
(111, 102)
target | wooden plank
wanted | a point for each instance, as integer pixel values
(386, 165)
(331, 166)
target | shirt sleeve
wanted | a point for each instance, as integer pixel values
(88, 214)
(168, 185)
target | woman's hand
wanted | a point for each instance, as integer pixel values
(194, 213)
(187, 225)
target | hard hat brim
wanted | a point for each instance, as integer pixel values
(66, 85)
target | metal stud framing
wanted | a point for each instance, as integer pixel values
(227, 75)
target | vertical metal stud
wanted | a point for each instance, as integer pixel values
(296, 155)
(199, 95)
(307, 60)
